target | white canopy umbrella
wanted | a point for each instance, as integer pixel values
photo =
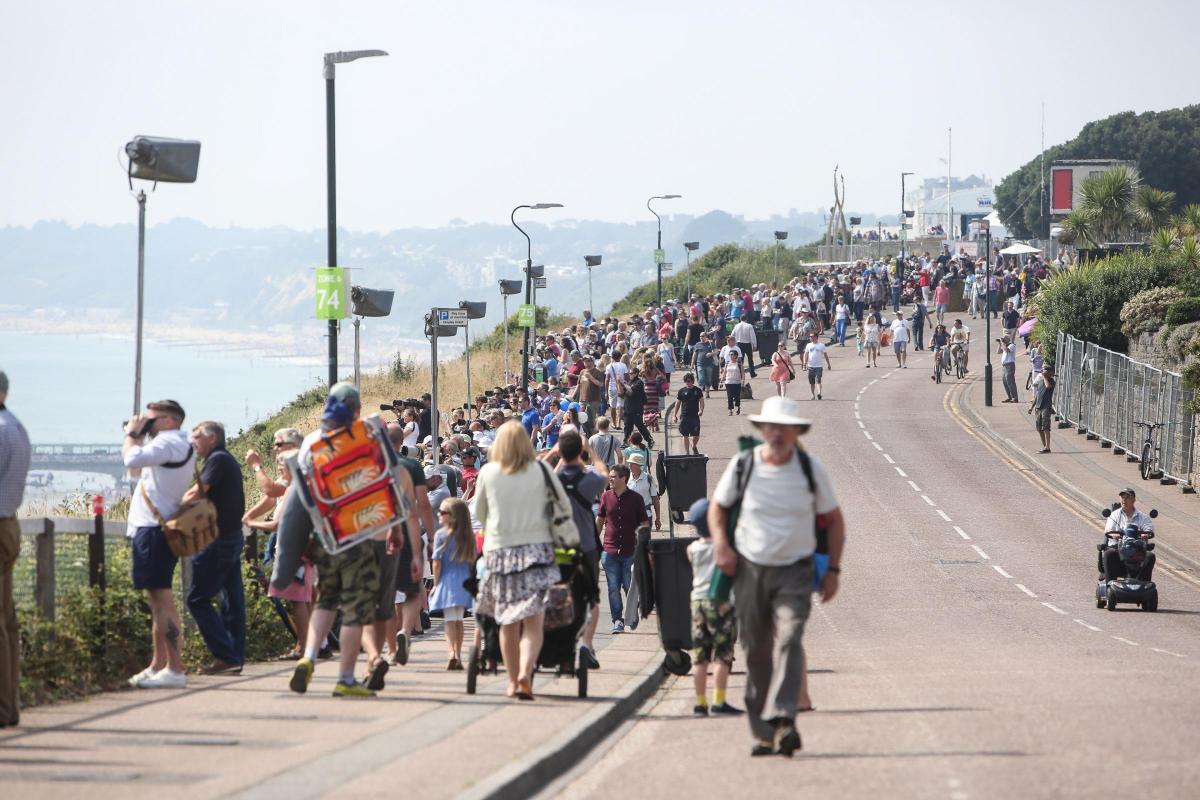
(1019, 249)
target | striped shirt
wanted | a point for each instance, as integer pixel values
(14, 462)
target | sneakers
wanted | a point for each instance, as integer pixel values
(618, 627)
(401, 648)
(375, 676)
(731, 412)
(787, 739)
(586, 656)
(164, 679)
(426, 623)
(699, 711)
(136, 680)
(355, 689)
(762, 747)
(301, 676)
(725, 709)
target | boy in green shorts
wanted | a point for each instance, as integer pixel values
(714, 628)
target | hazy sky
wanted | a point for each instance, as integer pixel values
(744, 106)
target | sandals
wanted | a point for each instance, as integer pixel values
(524, 690)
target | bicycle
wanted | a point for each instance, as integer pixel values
(937, 364)
(1149, 460)
(960, 369)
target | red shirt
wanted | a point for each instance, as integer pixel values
(621, 516)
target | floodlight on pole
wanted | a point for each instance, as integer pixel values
(367, 303)
(527, 341)
(162, 160)
(688, 247)
(330, 62)
(507, 287)
(589, 262)
(779, 237)
(658, 247)
(475, 310)
(903, 230)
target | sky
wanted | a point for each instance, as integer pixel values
(744, 106)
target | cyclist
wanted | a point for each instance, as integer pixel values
(960, 335)
(938, 342)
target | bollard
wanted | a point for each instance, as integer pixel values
(44, 585)
(96, 576)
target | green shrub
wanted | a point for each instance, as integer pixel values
(1145, 312)
(1183, 341)
(1182, 311)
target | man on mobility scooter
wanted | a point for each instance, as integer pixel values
(1126, 558)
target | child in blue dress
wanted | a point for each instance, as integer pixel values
(453, 562)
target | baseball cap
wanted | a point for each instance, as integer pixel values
(347, 393)
(431, 471)
(1128, 490)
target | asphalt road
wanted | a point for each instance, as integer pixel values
(964, 656)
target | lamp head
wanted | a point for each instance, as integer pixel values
(591, 261)
(475, 309)
(540, 206)
(509, 286)
(692, 245)
(781, 235)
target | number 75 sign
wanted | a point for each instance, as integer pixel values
(331, 292)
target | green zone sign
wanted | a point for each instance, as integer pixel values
(331, 293)
(526, 316)
(660, 256)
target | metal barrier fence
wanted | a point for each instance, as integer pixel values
(1105, 394)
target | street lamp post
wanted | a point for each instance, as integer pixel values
(331, 60)
(589, 262)
(903, 230)
(688, 247)
(507, 287)
(780, 236)
(528, 286)
(987, 337)
(658, 249)
(475, 310)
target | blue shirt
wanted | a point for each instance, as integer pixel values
(551, 426)
(529, 418)
(15, 453)
(551, 366)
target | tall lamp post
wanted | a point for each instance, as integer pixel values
(658, 258)
(528, 286)
(331, 61)
(986, 227)
(507, 287)
(688, 247)
(589, 262)
(475, 310)
(903, 230)
(780, 236)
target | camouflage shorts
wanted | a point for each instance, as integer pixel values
(713, 632)
(349, 581)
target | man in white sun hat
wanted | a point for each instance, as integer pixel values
(781, 500)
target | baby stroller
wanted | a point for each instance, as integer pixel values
(559, 651)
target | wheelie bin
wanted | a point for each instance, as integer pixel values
(686, 481)
(672, 586)
(768, 343)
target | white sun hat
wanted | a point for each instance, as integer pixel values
(781, 411)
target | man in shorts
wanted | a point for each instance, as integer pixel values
(960, 335)
(1043, 404)
(689, 407)
(900, 336)
(814, 361)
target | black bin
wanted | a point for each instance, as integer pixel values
(673, 590)
(768, 343)
(686, 482)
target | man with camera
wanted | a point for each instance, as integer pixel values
(157, 452)
(217, 569)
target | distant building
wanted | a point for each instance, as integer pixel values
(971, 198)
(1068, 175)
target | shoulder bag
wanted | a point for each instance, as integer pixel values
(193, 527)
(563, 532)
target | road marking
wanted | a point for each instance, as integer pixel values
(1089, 627)
(961, 533)
(1000, 569)
(915, 488)
(903, 474)
(872, 383)
(1021, 586)
(877, 447)
(867, 434)
(888, 458)
(1168, 652)
(1054, 608)
(856, 414)
(982, 554)
(925, 497)
(860, 423)
(1126, 641)
(942, 514)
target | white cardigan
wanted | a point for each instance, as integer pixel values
(512, 508)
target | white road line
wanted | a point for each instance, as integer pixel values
(1089, 627)
(942, 514)
(1168, 652)
(925, 497)
(1000, 569)
(961, 533)
(1126, 641)
(872, 383)
(915, 488)
(903, 474)
(877, 447)
(856, 403)
(982, 554)
(867, 434)
(860, 423)
(1021, 586)
(856, 414)
(888, 458)
(1054, 608)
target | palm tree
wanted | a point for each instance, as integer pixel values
(1189, 253)
(1110, 197)
(1152, 207)
(1163, 242)
(1079, 228)
(1188, 221)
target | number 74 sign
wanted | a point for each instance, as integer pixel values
(331, 291)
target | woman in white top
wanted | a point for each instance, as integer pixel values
(872, 346)
(411, 428)
(511, 493)
(733, 374)
(841, 321)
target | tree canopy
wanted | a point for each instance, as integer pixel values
(1165, 145)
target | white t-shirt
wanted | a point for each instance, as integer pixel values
(1010, 354)
(776, 524)
(614, 374)
(164, 485)
(800, 304)
(900, 332)
(814, 355)
(729, 353)
(842, 311)
(959, 335)
(733, 373)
